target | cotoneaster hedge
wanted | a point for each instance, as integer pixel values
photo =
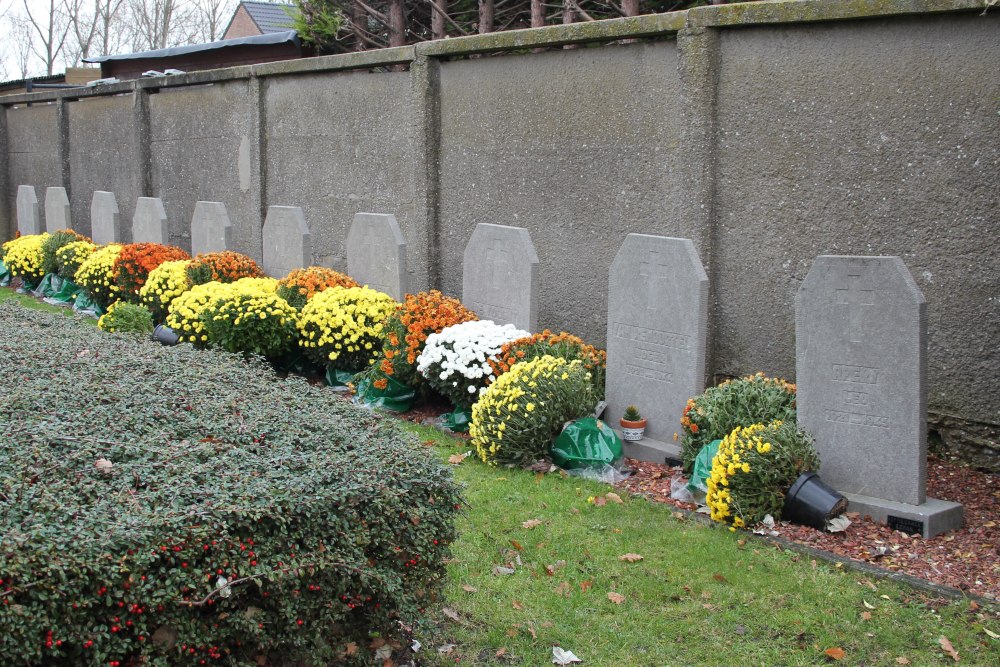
(170, 506)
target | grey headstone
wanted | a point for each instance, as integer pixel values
(149, 224)
(28, 221)
(287, 242)
(211, 230)
(500, 276)
(376, 253)
(861, 371)
(657, 331)
(105, 220)
(56, 210)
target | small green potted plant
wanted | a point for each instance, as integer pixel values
(633, 424)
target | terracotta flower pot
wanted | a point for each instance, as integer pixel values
(633, 430)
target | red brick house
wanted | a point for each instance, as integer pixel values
(259, 18)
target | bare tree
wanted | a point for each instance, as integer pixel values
(83, 28)
(51, 28)
(210, 18)
(108, 17)
(22, 37)
(157, 24)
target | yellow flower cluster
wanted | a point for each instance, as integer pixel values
(184, 313)
(732, 460)
(517, 417)
(250, 318)
(24, 257)
(165, 283)
(341, 327)
(71, 256)
(97, 275)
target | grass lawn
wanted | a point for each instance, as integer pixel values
(28, 301)
(699, 596)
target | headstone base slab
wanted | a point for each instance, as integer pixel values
(647, 449)
(935, 516)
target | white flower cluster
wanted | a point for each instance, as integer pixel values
(456, 361)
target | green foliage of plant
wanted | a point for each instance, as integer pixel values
(252, 320)
(70, 256)
(52, 244)
(754, 468)
(317, 22)
(632, 414)
(740, 402)
(521, 413)
(123, 317)
(172, 505)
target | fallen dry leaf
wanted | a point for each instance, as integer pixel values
(455, 459)
(630, 558)
(351, 648)
(718, 577)
(991, 633)
(517, 604)
(563, 589)
(617, 598)
(836, 653)
(501, 653)
(516, 545)
(615, 498)
(600, 501)
(948, 648)
(531, 523)
(868, 605)
(500, 570)
(585, 585)
(901, 660)
(469, 589)
(452, 614)
(866, 616)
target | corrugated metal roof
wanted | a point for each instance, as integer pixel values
(272, 38)
(269, 16)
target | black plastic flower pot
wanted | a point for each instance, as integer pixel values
(165, 335)
(810, 502)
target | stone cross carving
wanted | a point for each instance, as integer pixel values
(855, 297)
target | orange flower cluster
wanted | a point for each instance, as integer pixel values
(136, 260)
(563, 345)
(407, 330)
(223, 267)
(686, 420)
(301, 284)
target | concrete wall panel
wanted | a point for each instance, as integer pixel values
(200, 151)
(32, 154)
(102, 157)
(867, 138)
(342, 144)
(578, 146)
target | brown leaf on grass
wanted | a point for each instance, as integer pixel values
(531, 631)
(615, 498)
(630, 558)
(512, 632)
(455, 459)
(517, 604)
(948, 648)
(585, 585)
(866, 616)
(550, 570)
(600, 501)
(452, 614)
(564, 589)
(469, 589)
(547, 624)
(902, 660)
(718, 577)
(617, 598)
(501, 653)
(531, 523)
(836, 653)
(351, 648)
(427, 443)
(516, 545)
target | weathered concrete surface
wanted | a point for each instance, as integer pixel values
(195, 149)
(535, 142)
(343, 143)
(32, 152)
(892, 147)
(101, 158)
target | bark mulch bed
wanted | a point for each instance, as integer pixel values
(967, 559)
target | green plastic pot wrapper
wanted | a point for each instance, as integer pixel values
(65, 295)
(4, 274)
(586, 443)
(702, 469)
(340, 380)
(49, 285)
(396, 396)
(457, 420)
(84, 306)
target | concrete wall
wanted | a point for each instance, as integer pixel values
(102, 157)
(200, 150)
(768, 133)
